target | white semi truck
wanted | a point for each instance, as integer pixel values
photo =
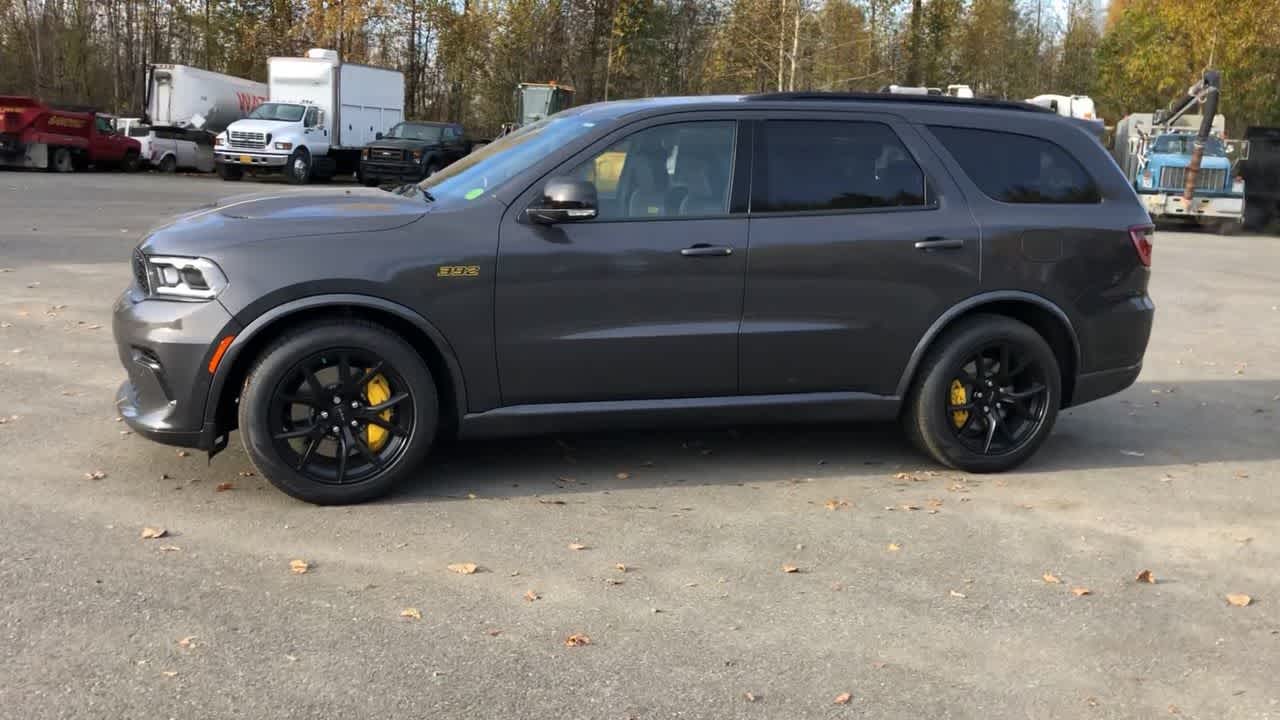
(188, 97)
(319, 113)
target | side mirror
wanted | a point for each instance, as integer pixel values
(377, 136)
(564, 200)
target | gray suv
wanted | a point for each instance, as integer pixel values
(968, 267)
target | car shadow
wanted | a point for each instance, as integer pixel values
(1150, 424)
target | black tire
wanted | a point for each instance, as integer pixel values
(272, 379)
(130, 162)
(168, 165)
(229, 172)
(298, 170)
(943, 433)
(60, 160)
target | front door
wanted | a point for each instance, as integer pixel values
(859, 241)
(644, 300)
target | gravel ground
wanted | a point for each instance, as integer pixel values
(938, 612)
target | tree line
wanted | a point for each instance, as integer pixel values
(463, 58)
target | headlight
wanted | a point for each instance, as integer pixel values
(1146, 178)
(365, 153)
(284, 146)
(218, 141)
(417, 154)
(184, 278)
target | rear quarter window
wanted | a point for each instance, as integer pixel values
(1015, 168)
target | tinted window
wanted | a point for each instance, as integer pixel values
(683, 169)
(834, 165)
(1018, 168)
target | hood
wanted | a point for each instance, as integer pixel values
(262, 126)
(403, 143)
(261, 217)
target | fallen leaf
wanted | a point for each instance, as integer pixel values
(843, 699)
(151, 533)
(169, 673)
(907, 506)
(95, 475)
(956, 594)
(530, 596)
(1146, 577)
(1173, 709)
(299, 567)
(613, 581)
(463, 568)
(577, 640)
(1050, 578)
(749, 697)
(835, 504)
(934, 502)
(495, 632)
(620, 567)
(224, 486)
(246, 473)
(577, 546)
(1081, 591)
(1240, 474)
(411, 613)
(187, 641)
(904, 476)
(790, 569)
(183, 453)
(169, 548)
(1239, 599)
(894, 547)
(623, 476)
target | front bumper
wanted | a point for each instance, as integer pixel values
(408, 171)
(165, 347)
(251, 158)
(1216, 205)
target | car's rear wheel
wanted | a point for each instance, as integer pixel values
(987, 395)
(130, 162)
(168, 165)
(61, 160)
(338, 412)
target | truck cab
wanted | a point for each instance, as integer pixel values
(270, 137)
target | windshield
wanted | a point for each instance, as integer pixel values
(1184, 144)
(278, 111)
(499, 161)
(413, 131)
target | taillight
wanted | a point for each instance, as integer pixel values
(1141, 236)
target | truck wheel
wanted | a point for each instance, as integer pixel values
(130, 163)
(230, 173)
(298, 171)
(61, 161)
(986, 395)
(168, 165)
(338, 412)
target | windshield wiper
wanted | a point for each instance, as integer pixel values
(409, 188)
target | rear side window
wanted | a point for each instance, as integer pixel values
(1016, 168)
(834, 165)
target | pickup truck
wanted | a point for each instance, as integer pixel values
(36, 135)
(411, 151)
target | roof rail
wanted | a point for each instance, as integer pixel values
(900, 98)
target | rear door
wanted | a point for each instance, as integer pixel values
(859, 240)
(645, 300)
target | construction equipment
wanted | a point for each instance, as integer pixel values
(535, 101)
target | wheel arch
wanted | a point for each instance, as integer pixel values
(426, 339)
(1045, 317)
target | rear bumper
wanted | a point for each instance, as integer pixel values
(165, 348)
(252, 159)
(1091, 386)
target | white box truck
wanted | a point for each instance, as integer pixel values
(319, 114)
(188, 97)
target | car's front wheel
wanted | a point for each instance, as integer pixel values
(986, 396)
(338, 412)
(298, 171)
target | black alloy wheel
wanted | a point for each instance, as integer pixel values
(997, 399)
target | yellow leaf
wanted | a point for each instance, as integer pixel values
(790, 569)
(957, 594)
(187, 641)
(531, 595)
(843, 699)
(1239, 599)
(1146, 577)
(411, 613)
(1050, 578)
(151, 533)
(620, 567)
(463, 568)
(577, 640)
(1081, 591)
(169, 673)
(298, 567)
(836, 504)
(894, 547)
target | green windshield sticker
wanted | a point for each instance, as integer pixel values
(474, 193)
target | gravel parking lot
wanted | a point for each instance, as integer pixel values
(920, 593)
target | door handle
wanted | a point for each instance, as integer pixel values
(705, 250)
(939, 243)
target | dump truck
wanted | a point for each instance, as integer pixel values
(36, 135)
(1181, 164)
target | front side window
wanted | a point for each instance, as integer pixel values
(816, 165)
(678, 170)
(1016, 168)
(104, 125)
(311, 118)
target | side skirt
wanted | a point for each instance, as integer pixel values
(681, 412)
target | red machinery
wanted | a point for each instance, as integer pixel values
(36, 135)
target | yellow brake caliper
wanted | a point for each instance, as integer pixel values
(959, 396)
(376, 391)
